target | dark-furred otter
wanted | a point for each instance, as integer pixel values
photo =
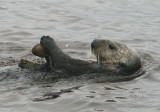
(112, 59)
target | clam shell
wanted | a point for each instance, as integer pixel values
(39, 51)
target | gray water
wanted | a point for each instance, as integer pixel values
(74, 24)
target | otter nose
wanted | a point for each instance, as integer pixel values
(95, 44)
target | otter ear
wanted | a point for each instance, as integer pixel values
(112, 46)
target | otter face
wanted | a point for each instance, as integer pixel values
(25, 64)
(104, 50)
(100, 46)
(111, 52)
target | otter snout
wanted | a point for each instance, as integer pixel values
(96, 44)
(96, 47)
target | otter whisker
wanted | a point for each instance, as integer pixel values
(98, 58)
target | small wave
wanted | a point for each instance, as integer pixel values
(17, 34)
(36, 77)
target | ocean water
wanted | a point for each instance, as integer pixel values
(74, 24)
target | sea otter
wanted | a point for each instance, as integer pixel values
(112, 58)
(114, 53)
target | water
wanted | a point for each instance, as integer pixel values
(74, 24)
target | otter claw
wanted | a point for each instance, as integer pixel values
(43, 37)
(46, 40)
(46, 37)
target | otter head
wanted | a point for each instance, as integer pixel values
(111, 52)
(104, 50)
(27, 64)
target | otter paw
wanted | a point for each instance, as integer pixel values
(47, 42)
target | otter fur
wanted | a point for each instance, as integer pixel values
(115, 53)
(113, 58)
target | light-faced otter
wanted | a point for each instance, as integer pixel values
(114, 53)
(27, 64)
(112, 57)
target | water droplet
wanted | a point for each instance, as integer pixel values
(67, 45)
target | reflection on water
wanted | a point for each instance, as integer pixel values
(74, 24)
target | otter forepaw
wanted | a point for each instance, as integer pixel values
(47, 42)
(46, 38)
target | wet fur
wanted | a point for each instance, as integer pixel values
(60, 63)
(115, 53)
(65, 63)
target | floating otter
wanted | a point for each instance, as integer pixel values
(114, 53)
(112, 57)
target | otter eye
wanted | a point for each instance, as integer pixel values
(122, 64)
(111, 46)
